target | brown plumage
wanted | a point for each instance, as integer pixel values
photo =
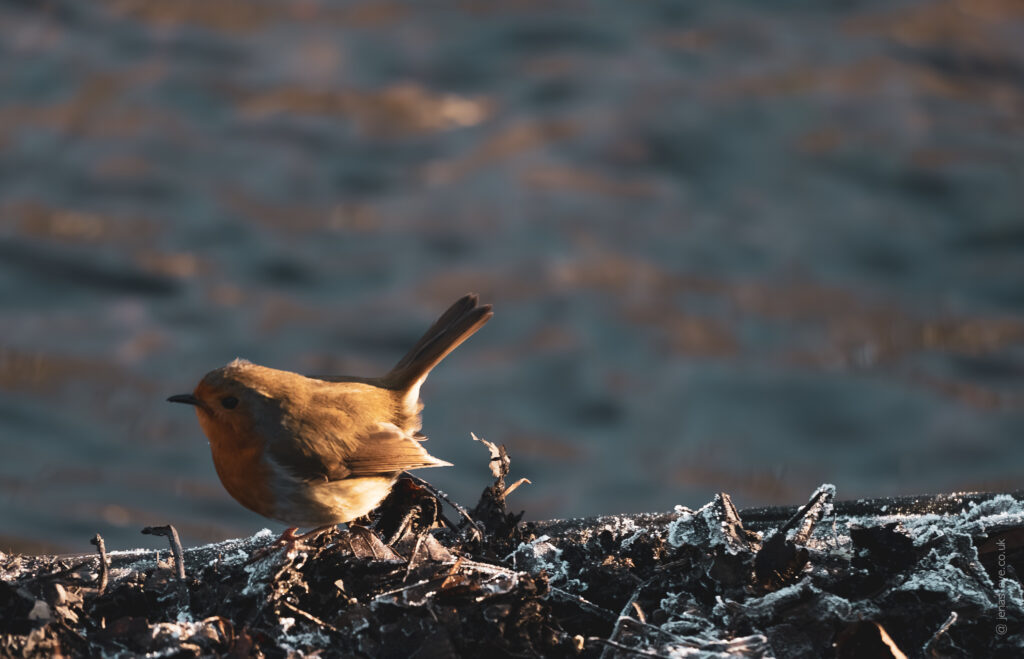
(313, 451)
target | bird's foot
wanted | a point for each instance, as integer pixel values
(290, 541)
(290, 537)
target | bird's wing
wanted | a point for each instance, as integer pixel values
(381, 450)
(306, 464)
(388, 449)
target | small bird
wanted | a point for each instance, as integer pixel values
(318, 451)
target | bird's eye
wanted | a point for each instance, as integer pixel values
(229, 402)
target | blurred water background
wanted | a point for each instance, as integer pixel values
(732, 245)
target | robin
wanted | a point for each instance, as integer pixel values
(318, 451)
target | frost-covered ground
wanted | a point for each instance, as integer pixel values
(938, 576)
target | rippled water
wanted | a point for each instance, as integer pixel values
(731, 247)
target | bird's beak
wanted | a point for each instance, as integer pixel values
(188, 399)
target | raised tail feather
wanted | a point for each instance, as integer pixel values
(455, 325)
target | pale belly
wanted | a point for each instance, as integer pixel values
(329, 502)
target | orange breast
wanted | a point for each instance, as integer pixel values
(238, 459)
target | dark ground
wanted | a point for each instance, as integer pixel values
(934, 577)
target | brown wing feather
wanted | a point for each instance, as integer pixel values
(384, 451)
(389, 450)
(308, 465)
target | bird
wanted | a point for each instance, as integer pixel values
(323, 450)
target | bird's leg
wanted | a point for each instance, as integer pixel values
(289, 540)
(310, 535)
(477, 533)
(407, 520)
(412, 557)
